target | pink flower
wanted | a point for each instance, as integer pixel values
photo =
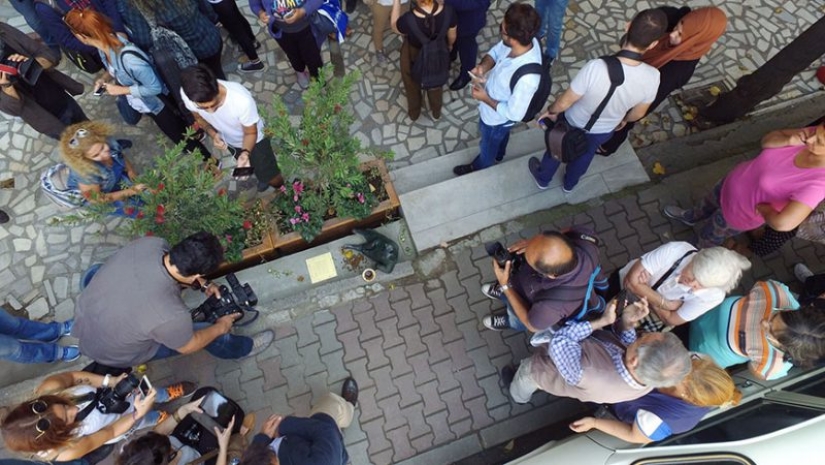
(294, 221)
(297, 209)
(295, 198)
(228, 238)
(298, 187)
(283, 189)
(247, 224)
(305, 217)
(360, 197)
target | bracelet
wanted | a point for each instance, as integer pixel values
(504, 287)
(663, 302)
(106, 380)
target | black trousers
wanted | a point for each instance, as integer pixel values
(237, 26)
(302, 50)
(214, 64)
(771, 241)
(173, 126)
(466, 49)
(672, 76)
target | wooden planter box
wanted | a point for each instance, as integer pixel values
(276, 245)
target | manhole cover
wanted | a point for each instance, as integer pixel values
(690, 101)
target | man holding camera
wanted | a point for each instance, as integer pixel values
(544, 280)
(132, 311)
(40, 97)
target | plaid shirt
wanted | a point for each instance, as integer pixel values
(192, 24)
(566, 352)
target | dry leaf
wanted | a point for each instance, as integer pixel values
(688, 117)
(658, 169)
(714, 91)
(509, 446)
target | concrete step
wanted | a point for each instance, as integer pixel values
(451, 208)
(440, 169)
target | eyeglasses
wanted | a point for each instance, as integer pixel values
(39, 407)
(81, 133)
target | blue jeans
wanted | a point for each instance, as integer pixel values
(227, 346)
(552, 22)
(492, 146)
(26, 8)
(576, 169)
(37, 347)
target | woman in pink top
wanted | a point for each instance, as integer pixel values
(779, 188)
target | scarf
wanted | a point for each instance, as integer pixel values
(700, 29)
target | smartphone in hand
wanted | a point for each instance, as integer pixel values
(145, 386)
(100, 90)
(243, 172)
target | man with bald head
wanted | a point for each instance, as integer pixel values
(546, 282)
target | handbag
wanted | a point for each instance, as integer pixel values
(566, 143)
(130, 115)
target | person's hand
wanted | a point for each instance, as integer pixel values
(223, 436)
(144, 404)
(5, 81)
(519, 247)
(243, 160)
(114, 89)
(270, 426)
(263, 17)
(478, 71)
(502, 272)
(619, 126)
(225, 322)
(218, 142)
(583, 425)
(608, 316)
(100, 82)
(17, 58)
(139, 187)
(190, 407)
(296, 15)
(478, 92)
(213, 290)
(633, 314)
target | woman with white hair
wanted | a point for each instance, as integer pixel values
(680, 282)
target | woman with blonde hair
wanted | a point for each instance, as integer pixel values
(98, 169)
(130, 75)
(668, 411)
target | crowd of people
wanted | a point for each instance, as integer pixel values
(651, 340)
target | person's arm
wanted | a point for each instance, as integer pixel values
(786, 137)
(201, 338)
(120, 427)
(451, 36)
(167, 426)
(258, 9)
(395, 13)
(250, 138)
(223, 441)
(636, 113)
(93, 194)
(567, 98)
(623, 431)
(565, 347)
(147, 84)
(517, 302)
(788, 219)
(61, 381)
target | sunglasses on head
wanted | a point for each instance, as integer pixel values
(39, 407)
(81, 133)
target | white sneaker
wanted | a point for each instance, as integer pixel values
(802, 272)
(260, 342)
(303, 79)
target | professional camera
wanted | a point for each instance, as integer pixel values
(113, 400)
(240, 299)
(502, 255)
(28, 70)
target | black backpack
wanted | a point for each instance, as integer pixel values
(85, 61)
(431, 68)
(542, 92)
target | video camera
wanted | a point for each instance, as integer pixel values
(113, 400)
(28, 70)
(238, 298)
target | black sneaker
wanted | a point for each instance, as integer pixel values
(461, 170)
(496, 322)
(251, 66)
(492, 291)
(508, 374)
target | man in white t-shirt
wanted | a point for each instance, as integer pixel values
(235, 125)
(590, 86)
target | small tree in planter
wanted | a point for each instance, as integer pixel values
(321, 157)
(182, 200)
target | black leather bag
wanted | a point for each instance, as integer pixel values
(564, 142)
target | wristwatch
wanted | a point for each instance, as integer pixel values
(504, 287)
(106, 380)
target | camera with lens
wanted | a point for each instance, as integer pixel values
(28, 70)
(502, 255)
(237, 298)
(113, 400)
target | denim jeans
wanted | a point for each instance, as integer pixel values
(37, 347)
(227, 346)
(26, 8)
(576, 169)
(492, 146)
(552, 22)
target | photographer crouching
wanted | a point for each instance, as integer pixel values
(76, 413)
(132, 312)
(31, 87)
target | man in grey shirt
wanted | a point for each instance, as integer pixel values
(132, 311)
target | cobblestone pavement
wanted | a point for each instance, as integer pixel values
(427, 368)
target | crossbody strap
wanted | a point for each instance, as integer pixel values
(614, 70)
(672, 269)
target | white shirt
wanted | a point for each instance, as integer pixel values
(238, 110)
(658, 261)
(593, 81)
(511, 105)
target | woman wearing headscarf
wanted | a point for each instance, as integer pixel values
(676, 57)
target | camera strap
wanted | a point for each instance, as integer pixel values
(672, 269)
(91, 398)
